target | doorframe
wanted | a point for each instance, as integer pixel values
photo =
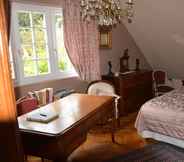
(11, 149)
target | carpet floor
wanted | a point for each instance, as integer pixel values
(99, 147)
(160, 152)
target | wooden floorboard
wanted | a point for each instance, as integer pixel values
(99, 147)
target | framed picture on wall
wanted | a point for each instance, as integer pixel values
(105, 38)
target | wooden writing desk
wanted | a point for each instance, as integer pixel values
(57, 139)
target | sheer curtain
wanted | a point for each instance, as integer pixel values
(81, 42)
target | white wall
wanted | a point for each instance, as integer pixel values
(121, 39)
(158, 29)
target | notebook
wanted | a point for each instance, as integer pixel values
(43, 117)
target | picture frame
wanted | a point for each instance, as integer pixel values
(105, 38)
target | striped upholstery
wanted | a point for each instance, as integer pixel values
(44, 96)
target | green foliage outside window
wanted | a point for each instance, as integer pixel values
(33, 37)
(33, 40)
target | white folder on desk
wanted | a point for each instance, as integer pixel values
(43, 117)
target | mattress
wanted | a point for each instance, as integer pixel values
(163, 115)
(163, 138)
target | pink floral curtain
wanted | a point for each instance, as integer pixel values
(81, 42)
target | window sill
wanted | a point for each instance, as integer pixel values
(45, 78)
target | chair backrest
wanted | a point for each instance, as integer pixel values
(101, 88)
(25, 105)
(159, 77)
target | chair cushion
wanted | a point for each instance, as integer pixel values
(101, 88)
(164, 89)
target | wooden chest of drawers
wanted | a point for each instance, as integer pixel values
(134, 88)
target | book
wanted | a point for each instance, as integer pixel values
(42, 117)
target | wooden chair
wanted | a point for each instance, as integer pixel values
(159, 80)
(25, 105)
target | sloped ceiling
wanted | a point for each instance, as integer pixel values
(158, 29)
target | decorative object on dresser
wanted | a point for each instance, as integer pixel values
(124, 63)
(137, 67)
(135, 89)
(110, 73)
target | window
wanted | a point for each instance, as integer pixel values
(39, 42)
(33, 40)
(63, 60)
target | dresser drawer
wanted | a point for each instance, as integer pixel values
(135, 89)
(137, 79)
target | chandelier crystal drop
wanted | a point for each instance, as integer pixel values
(106, 12)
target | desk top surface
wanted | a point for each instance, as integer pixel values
(72, 110)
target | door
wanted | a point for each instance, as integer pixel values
(10, 148)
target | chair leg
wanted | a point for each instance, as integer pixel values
(113, 129)
(25, 158)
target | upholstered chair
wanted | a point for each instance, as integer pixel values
(24, 105)
(104, 88)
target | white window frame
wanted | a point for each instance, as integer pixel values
(11, 61)
(55, 73)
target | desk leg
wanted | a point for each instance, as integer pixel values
(113, 128)
(112, 136)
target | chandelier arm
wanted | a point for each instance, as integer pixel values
(106, 12)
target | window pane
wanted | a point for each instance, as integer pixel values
(39, 35)
(41, 50)
(28, 52)
(29, 68)
(59, 31)
(38, 20)
(43, 67)
(64, 63)
(25, 36)
(24, 19)
(63, 60)
(59, 21)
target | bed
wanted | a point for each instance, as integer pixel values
(162, 118)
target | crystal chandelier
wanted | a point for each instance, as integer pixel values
(106, 12)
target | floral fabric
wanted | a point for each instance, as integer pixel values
(164, 115)
(81, 42)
